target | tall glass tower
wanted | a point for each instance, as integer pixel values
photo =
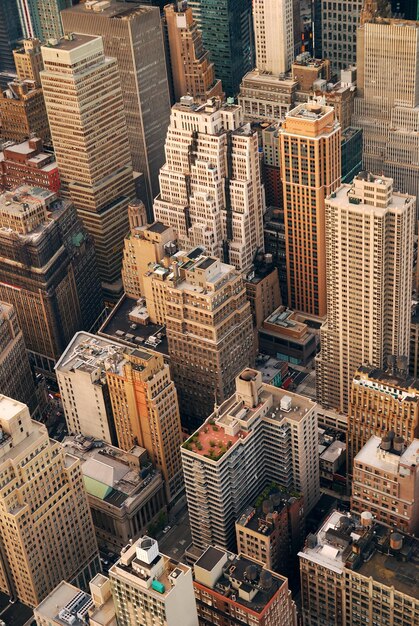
(10, 32)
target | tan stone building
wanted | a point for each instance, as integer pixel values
(23, 112)
(209, 330)
(28, 61)
(310, 171)
(146, 413)
(306, 70)
(273, 24)
(192, 70)
(266, 97)
(414, 342)
(46, 527)
(92, 150)
(369, 257)
(151, 588)
(386, 482)
(382, 401)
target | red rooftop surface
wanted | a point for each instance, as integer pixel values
(212, 441)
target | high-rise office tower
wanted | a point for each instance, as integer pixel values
(22, 111)
(369, 252)
(382, 401)
(146, 413)
(211, 192)
(310, 170)
(132, 34)
(123, 395)
(208, 322)
(28, 60)
(47, 271)
(414, 342)
(386, 109)
(10, 33)
(227, 34)
(260, 435)
(41, 19)
(91, 148)
(192, 70)
(335, 32)
(355, 571)
(385, 482)
(46, 529)
(274, 35)
(16, 378)
(232, 589)
(150, 588)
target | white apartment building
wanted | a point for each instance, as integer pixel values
(369, 248)
(274, 35)
(210, 186)
(259, 435)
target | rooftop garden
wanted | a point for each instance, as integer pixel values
(210, 441)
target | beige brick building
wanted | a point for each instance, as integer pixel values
(46, 527)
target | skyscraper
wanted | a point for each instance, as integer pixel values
(41, 18)
(369, 248)
(208, 322)
(227, 34)
(91, 149)
(260, 435)
(386, 109)
(16, 378)
(150, 588)
(47, 271)
(46, 529)
(211, 192)
(132, 34)
(10, 33)
(335, 32)
(310, 170)
(192, 70)
(146, 413)
(382, 401)
(274, 35)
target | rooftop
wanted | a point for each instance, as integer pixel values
(119, 326)
(70, 42)
(310, 111)
(242, 580)
(389, 461)
(66, 605)
(395, 381)
(334, 451)
(93, 355)
(111, 474)
(112, 9)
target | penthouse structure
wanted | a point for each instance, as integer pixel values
(385, 109)
(22, 111)
(92, 150)
(208, 322)
(259, 435)
(115, 393)
(382, 401)
(354, 570)
(310, 171)
(148, 587)
(272, 531)
(16, 378)
(125, 492)
(45, 524)
(386, 482)
(48, 271)
(238, 590)
(132, 34)
(210, 186)
(369, 247)
(27, 163)
(193, 72)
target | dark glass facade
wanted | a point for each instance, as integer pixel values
(351, 153)
(10, 33)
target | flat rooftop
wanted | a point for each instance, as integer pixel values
(310, 111)
(89, 353)
(109, 473)
(241, 578)
(118, 10)
(393, 382)
(387, 460)
(158, 227)
(66, 605)
(9, 407)
(68, 44)
(285, 81)
(118, 326)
